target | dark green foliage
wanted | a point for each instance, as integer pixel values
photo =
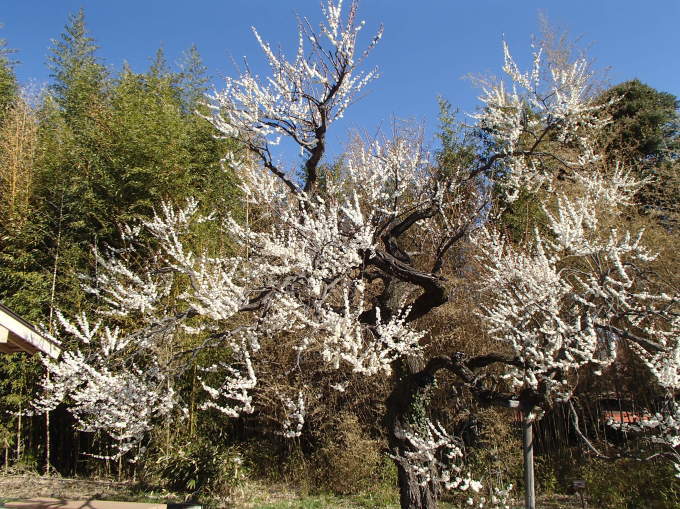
(193, 466)
(645, 124)
(662, 196)
(24, 286)
(644, 136)
(9, 87)
(521, 216)
(457, 146)
(631, 484)
(110, 148)
(617, 484)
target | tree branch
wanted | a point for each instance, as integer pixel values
(648, 343)
(434, 293)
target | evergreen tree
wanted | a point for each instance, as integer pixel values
(645, 124)
(194, 79)
(78, 75)
(9, 88)
(644, 136)
(162, 151)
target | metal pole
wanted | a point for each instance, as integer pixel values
(528, 450)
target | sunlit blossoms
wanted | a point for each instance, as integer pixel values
(567, 299)
(534, 107)
(436, 458)
(106, 388)
(294, 416)
(302, 97)
(302, 275)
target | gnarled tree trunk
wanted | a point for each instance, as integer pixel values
(406, 412)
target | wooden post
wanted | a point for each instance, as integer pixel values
(19, 433)
(528, 453)
(48, 445)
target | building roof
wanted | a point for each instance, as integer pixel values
(18, 335)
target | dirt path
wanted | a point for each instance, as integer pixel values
(58, 503)
(27, 487)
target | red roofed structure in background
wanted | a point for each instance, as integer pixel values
(625, 417)
(18, 335)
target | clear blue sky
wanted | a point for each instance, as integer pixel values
(428, 46)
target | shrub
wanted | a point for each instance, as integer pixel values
(199, 468)
(348, 461)
(631, 484)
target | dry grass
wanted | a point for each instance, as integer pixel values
(16, 487)
(251, 495)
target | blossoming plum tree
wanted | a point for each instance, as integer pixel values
(335, 277)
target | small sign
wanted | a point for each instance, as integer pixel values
(579, 484)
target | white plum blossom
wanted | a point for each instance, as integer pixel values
(302, 97)
(521, 115)
(300, 275)
(433, 456)
(562, 302)
(123, 402)
(386, 173)
(528, 299)
(365, 350)
(237, 384)
(294, 416)
(436, 457)
(569, 299)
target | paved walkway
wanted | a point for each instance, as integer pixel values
(56, 503)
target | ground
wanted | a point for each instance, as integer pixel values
(250, 496)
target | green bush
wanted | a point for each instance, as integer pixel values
(340, 459)
(200, 468)
(631, 484)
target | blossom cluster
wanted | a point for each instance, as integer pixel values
(435, 456)
(563, 302)
(294, 418)
(302, 95)
(104, 390)
(522, 115)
